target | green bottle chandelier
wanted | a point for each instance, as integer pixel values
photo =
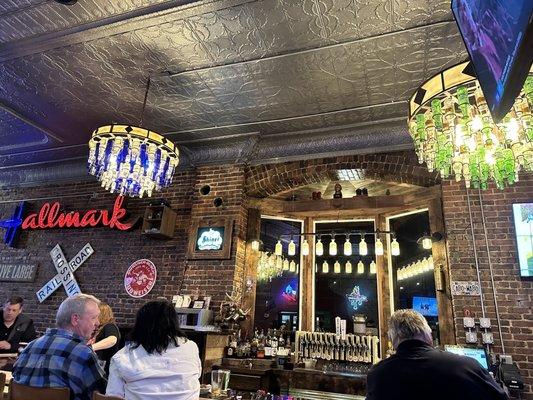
(454, 133)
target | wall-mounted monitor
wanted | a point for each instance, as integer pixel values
(498, 35)
(523, 226)
(426, 306)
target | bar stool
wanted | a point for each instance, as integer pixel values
(23, 392)
(2, 385)
(100, 396)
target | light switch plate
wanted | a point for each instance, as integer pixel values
(484, 323)
(471, 337)
(487, 338)
(469, 322)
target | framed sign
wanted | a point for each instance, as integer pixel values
(210, 238)
(523, 226)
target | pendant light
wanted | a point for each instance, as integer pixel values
(363, 247)
(333, 246)
(347, 246)
(373, 267)
(348, 267)
(305, 248)
(278, 250)
(360, 267)
(325, 267)
(337, 267)
(292, 248)
(395, 248)
(379, 247)
(319, 247)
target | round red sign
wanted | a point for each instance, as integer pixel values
(140, 278)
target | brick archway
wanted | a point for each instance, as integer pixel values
(398, 167)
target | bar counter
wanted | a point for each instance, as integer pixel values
(253, 374)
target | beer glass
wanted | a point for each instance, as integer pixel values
(219, 381)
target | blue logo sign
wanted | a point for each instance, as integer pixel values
(13, 224)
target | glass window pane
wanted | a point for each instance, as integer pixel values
(413, 276)
(278, 281)
(345, 291)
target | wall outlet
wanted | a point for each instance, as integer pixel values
(469, 322)
(484, 323)
(487, 338)
(471, 337)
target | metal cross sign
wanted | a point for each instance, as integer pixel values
(65, 272)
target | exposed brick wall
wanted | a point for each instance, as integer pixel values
(115, 250)
(399, 167)
(514, 295)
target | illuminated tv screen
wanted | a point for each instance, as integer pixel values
(523, 227)
(498, 35)
(426, 306)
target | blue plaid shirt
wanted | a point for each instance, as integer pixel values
(60, 358)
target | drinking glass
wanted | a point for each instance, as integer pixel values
(219, 381)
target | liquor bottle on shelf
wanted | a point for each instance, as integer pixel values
(268, 345)
(253, 345)
(232, 347)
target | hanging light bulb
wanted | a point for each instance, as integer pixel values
(360, 267)
(333, 246)
(373, 267)
(278, 250)
(255, 245)
(379, 247)
(279, 263)
(325, 267)
(337, 267)
(292, 266)
(319, 248)
(395, 248)
(305, 248)
(347, 246)
(292, 248)
(285, 265)
(427, 243)
(363, 247)
(348, 267)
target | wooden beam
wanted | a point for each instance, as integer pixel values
(251, 260)
(306, 293)
(383, 292)
(440, 260)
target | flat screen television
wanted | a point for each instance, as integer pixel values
(426, 306)
(498, 35)
(523, 227)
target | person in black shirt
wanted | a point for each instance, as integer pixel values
(14, 326)
(418, 371)
(105, 342)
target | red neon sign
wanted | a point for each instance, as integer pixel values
(50, 217)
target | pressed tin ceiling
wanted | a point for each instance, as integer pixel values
(231, 80)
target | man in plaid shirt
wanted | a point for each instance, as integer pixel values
(61, 358)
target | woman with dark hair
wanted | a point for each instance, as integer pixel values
(159, 362)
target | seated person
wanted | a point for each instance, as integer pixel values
(61, 357)
(15, 326)
(159, 363)
(106, 339)
(419, 372)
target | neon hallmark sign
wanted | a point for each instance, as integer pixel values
(50, 216)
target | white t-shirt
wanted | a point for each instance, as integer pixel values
(136, 375)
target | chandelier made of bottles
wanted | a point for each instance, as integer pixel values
(454, 133)
(130, 160)
(271, 265)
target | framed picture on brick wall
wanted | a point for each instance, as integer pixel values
(523, 226)
(210, 238)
